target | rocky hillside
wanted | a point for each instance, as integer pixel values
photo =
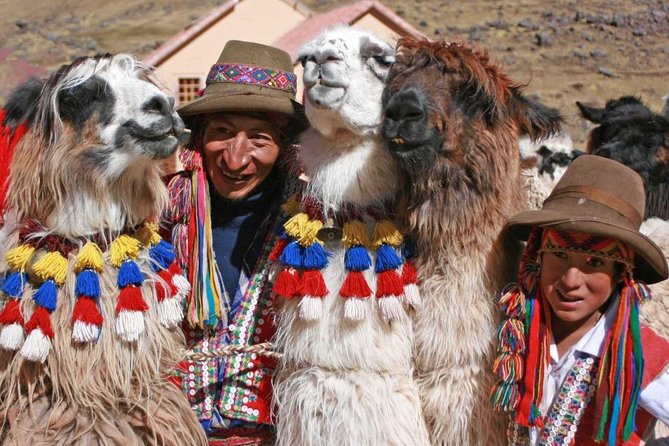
(562, 50)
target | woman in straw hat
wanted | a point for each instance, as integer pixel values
(574, 364)
(225, 210)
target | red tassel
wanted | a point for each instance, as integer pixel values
(86, 310)
(278, 249)
(175, 269)
(355, 285)
(167, 289)
(287, 284)
(313, 284)
(41, 319)
(409, 274)
(11, 314)
(389, 283)
(130, 299)
(9, 138)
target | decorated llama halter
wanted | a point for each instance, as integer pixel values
(302, 256)
(49, 273)
(524, 337)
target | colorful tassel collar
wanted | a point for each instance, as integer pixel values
(39, 267)
(302, 256)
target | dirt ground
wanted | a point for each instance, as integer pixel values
(563, 51)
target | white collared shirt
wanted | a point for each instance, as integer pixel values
(654, 398)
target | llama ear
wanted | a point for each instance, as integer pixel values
(535, 119)
(22, 103)
(592, 114)
(377, 55)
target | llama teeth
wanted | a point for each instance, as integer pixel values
(398, 140)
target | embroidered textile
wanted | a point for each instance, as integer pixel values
(252, 75)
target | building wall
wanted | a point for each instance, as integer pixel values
(261, 21)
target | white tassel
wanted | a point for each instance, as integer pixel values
(182, 284)
(36, 347)
(412, 295)
(12, 337)
(311, 308)
(130, 325)
(170, 311)
(85, 332)
(355, 309)
(391, 308)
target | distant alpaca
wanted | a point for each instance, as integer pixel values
(453, 121)
(92, 303)
(346, 373)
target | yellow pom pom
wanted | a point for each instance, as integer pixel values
(355, 233)
(122, 248)
(90, 256)
(291, 207)
(309, 232)
(295, 225)
(386, 232)
(19, 256)
(51, 265)
(148, 234)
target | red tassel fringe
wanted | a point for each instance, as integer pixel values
(86, 310)
(287, 284)
(175, 269)
(11, 314)
(389, 283)
(167, 289)
(41, 319)
(355, 285)
(278, 249)
(313, 284)
(409, 273)
(131, 299)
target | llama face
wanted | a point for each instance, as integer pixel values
(343, 73)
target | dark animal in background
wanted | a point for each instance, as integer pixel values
(453, 121)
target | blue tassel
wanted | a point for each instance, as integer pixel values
(46, 295)
(292, 255)
(357, 258)
(88, 284)
(14, 285)
(163, 254)
(386, 259)
(314, 257)
(129, 274)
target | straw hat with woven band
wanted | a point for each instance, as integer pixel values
(249, 78)
(603, 197)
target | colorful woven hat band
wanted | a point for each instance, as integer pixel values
(587, 244)
(253, 75)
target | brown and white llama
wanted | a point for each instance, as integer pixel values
(91, 300)
(452, 119)
(346, 375)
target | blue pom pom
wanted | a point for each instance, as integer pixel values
(292, 255)
(314, 257)
(46, 295)
(163, 254)
(129, 274)
(88, 284)
(357, 258)
(386, 258)
(14, 285)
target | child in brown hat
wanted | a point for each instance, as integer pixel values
(575, 366)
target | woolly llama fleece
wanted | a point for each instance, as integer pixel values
(345, 283)
(91, 299)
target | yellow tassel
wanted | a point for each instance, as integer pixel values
(122, 248)
(51, 265)
(90, 256)
(149, 235)
(19, 256)
(386, 232)
(291, 207)
(309, 232)
(355, 233)
(295, 225)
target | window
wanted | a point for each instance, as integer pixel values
(188, 89)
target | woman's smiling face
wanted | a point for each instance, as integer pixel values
(576, 286)
(239, 153)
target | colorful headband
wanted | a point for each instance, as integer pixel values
(253, 75)
(588, 244)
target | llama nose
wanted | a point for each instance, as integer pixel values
(403, 112)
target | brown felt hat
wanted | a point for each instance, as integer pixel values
(599, 196)
(249, 78)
